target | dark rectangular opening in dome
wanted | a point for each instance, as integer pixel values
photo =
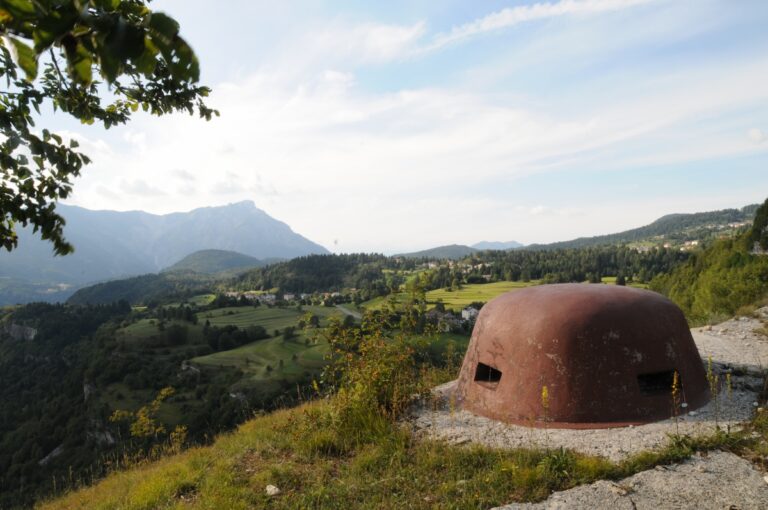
(487, 374)
(656, 383)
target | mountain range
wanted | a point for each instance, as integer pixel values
(668, 227)
(111, 244)
(672, 227)
(210, 240)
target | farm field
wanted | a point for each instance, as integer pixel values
(260, 361)
(611, 280)
(272, 362)
(202, 299)
(457, 299)
(469, 293)
(269, 318)
(270, 365)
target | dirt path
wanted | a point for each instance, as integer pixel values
(346, 310)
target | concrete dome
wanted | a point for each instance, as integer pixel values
(606, 354)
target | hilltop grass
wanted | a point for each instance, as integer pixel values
(394, 471)
(389, 470)
(350, 450)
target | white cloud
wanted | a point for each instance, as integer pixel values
(398, 169)
(343, 43)
(512, 16)
(757, 135)
(378, 43)
(413, 167)
(184, 175)
(140, 187)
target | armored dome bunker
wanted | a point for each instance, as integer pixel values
(607, 355)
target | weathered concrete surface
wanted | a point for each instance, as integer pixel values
(718, 481)
(605, 353)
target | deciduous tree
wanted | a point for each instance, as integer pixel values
(99, 61)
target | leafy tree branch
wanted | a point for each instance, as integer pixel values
(99, 61)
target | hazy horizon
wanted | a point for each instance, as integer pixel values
(416, 248)
(396, 127)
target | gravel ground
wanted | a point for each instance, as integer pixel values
(736, 342)
(717, 481)
(733, 346)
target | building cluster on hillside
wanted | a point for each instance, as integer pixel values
(469, 313)
(689, 245)
(269, 298)
(447, 321)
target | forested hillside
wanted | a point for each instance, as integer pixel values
(63, 380)
(555, 266)
(325, 273)
(726, 276)
(672, 227)
(146, 289)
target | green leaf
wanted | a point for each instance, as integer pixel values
(186, 67)
(5, 17)
(80, 64)
(19, 9)
(125, 41)
(147, 61)
(108, 5)
(26, 58)
(164, 25)
(109, 65)
(52, 27)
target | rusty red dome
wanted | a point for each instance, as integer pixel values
(607, 355)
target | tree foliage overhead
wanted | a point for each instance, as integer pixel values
(96, 60)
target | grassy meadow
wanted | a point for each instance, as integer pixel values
(269, 318)
(469, 293)
(270, 364)
(456, 299)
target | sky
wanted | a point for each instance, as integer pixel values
(403, 125)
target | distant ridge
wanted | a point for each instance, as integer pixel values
(451, 251)
(112, 244)
(497, 245)
(664, 226)
(215, 261)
